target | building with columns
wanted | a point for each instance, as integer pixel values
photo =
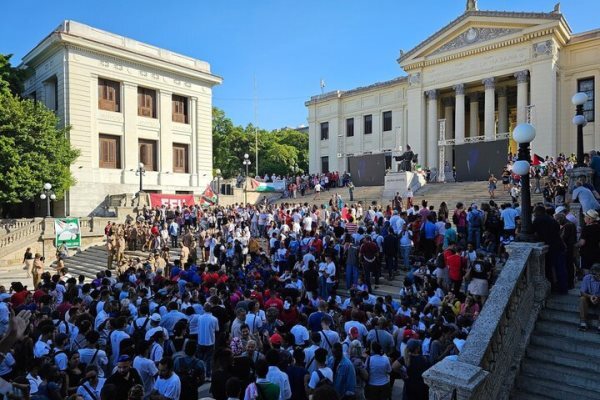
(127, 103)
(471, 81)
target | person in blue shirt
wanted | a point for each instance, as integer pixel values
(344, 375)
(428, 237)
(173, 315)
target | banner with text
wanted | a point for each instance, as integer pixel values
(173, 200)
(68, 232)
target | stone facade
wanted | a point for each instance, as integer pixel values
(478, 76)
(65, 70)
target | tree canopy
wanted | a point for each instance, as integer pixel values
(280, 151)
(33, 148)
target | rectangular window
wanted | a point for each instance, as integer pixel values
(109, 95)
(180, 158)
(324, 130)
(180, 109)
(147, 154)
(146, 102)
(587, 86)
(387, 121)
(368, 121)
(110, 151)
(350, 127)
(324, 164)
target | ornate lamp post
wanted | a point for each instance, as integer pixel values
(218, 172)
(579, 119)
(141, 172)
(524, 134)
(48, 194)
(246, 163)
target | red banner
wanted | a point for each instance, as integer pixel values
(173, 200)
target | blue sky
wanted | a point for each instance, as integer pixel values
(286, 46)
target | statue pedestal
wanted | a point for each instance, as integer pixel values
(399, 182)
(574, 175)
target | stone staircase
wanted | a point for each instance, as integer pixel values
(560, 362)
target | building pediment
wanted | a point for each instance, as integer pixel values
(482, 30)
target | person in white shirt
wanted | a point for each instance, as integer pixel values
(92, 355)
(321, 373)
(328, 337)
(278, 377)
(145, 367)
(42, 347)
(168, 385)
(117, 336)
(208, 326)
(92, 385)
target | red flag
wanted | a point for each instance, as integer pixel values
(254, 183)
(537, 160)
(208, 197)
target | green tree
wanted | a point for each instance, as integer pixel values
(279, 151)
(11, 78)
(33, 149)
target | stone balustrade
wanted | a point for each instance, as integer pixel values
(32, 230)
(11, 224)
(489, 361)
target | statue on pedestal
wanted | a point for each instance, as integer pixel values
(406, 159)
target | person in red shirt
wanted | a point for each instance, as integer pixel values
(455, 268)
(274, 301)
(369, 256)
(20, 294)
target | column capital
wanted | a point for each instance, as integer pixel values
(490, 83)
(522, 76)
(431, 94)
(501, 91)
(448, 101)
(459, 89)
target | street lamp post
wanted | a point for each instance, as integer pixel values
(246, 163)
(579, 119)
(218, 172)
(524, 134)
(141, 172)
(47, 194)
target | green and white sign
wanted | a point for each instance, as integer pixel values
(67, 231)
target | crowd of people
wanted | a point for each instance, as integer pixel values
(277, 302)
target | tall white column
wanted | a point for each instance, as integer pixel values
(502, 110)
(130, 138)
(522, 96)
(449, 117)
(489, 125)
(459, 113)
(474, 115)
(432, 129)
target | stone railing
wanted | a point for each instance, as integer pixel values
(30, 231)
(489, 361)
(10, 225)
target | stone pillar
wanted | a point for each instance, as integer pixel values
(165, 154)
(432, 129)
(129, 144)
(502, 110)
(449, 117)
(522, 100)
(194, 163)
(489, 126)
(474, 114)
(459, 112)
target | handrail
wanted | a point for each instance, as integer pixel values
(11, 224)
(27, 231)
(490, 359)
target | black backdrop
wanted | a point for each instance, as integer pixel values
(367, 170)
(476, 161)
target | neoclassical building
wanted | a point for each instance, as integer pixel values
(471, 81)
(127, 103)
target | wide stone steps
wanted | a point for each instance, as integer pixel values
(560, 362)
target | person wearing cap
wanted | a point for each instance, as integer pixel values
(589, 296)
(155, 319)
(124, 378)
(589, 241)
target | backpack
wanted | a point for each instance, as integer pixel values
(139, 332)
(475, 219)
(493, 221)
(323, 380)
(191, 379)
